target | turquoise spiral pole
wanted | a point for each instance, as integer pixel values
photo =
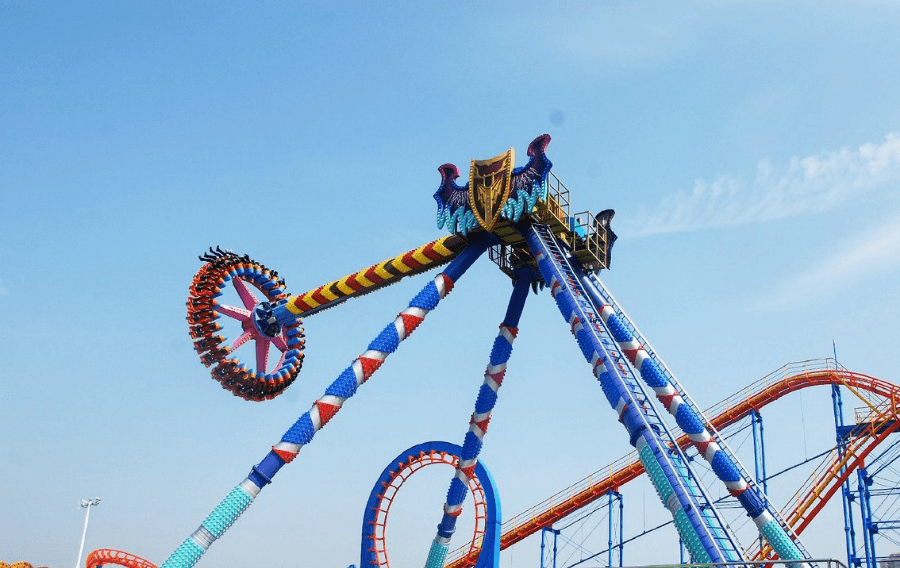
(481, 417)
(301, 433)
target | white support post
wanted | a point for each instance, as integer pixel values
(86, 504)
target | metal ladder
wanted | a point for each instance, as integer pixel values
(572, 271)
(632, 328)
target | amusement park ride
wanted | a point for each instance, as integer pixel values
(521, 218)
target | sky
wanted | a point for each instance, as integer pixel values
(751, 151)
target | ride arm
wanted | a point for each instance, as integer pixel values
(379, 275)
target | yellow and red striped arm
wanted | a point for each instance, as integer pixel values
(378, 275)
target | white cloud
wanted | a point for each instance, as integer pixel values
(874, 251)
(804, 185)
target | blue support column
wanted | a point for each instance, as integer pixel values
(759, 455)
(691, 420)
(865, 506)
(555, 534)
(543, 545)
(555, 538)
(481, 417)
(614, 497)
(759, 451)
(621, 531)
(609, 512)
(846, 490)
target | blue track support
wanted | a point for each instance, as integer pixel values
(865, 506)
(555, 534)
(302, 432)
(489, 557)
(759, 451)
(697, 522)
(621, 544)
(759, 455)
(846, 491)
(478, 423)
(609, 540)
(614, 497)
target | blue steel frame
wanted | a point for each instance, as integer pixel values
(847, 496)
(759, 451)
(614, 542)
(555, 534)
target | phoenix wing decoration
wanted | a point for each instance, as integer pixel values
(527, 185)
(453, 210)
(604, 219)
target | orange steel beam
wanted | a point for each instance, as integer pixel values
(764, 392)
(819, 495)
(824, 488)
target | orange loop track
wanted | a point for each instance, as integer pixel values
(106, 557)
(404, 472)
(882, 398)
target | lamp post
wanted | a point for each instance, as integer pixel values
(85, 504)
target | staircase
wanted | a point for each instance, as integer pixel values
(701, 528)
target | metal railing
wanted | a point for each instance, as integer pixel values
(554, 211)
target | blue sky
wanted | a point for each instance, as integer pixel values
(751, 151)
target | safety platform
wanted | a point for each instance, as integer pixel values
(588, 235)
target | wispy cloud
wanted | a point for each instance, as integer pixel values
(804, 185)
(874, 251)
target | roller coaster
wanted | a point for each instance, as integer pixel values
(521, 217)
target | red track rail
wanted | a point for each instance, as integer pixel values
(106, 556)
(405, 470)
(882, 397)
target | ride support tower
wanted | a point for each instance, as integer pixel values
(522, 217)
(481, 417)
(568, 251)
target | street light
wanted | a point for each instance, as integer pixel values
(85, 504)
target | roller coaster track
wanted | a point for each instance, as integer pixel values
(881, 397)
(106, 556)
(99, 558)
